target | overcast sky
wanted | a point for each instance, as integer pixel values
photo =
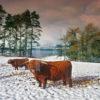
(57, 15)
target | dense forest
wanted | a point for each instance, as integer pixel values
(19, 33)
(82, 44)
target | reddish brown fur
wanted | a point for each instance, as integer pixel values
(17, 62)
(31, 64)
(58, 70)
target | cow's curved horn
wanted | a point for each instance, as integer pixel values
(44, 62)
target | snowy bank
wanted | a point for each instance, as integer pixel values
(21, 85)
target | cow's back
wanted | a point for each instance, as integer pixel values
(59, 69)
(61, 65)
(18, 62)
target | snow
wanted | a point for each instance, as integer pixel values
(21, 84)
(54, 58)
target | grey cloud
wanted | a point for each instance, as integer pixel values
(57, 15)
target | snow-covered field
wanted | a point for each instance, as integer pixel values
(21, 84)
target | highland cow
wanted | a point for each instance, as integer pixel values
(17, 62)
(54, 71)
(58, 70)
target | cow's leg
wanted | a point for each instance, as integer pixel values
(17, 67)
(39, 82)
(26, 68)
(64, 80)
(70, 82)
(44, 83)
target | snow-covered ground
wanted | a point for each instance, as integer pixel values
(21, 84)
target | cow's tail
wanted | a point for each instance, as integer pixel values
(70, 74)
(70, 69)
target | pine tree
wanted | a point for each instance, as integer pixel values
(35, 30)
(2, 33)
(27, 24)
(19, 33)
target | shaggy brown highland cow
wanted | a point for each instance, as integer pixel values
(17, 62)
(57, 70)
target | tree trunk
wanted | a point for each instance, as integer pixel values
(20, 43)
(31, 44)
(15, 47)
(3, 48)
(25, 43)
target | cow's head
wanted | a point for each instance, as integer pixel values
(10, 61)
